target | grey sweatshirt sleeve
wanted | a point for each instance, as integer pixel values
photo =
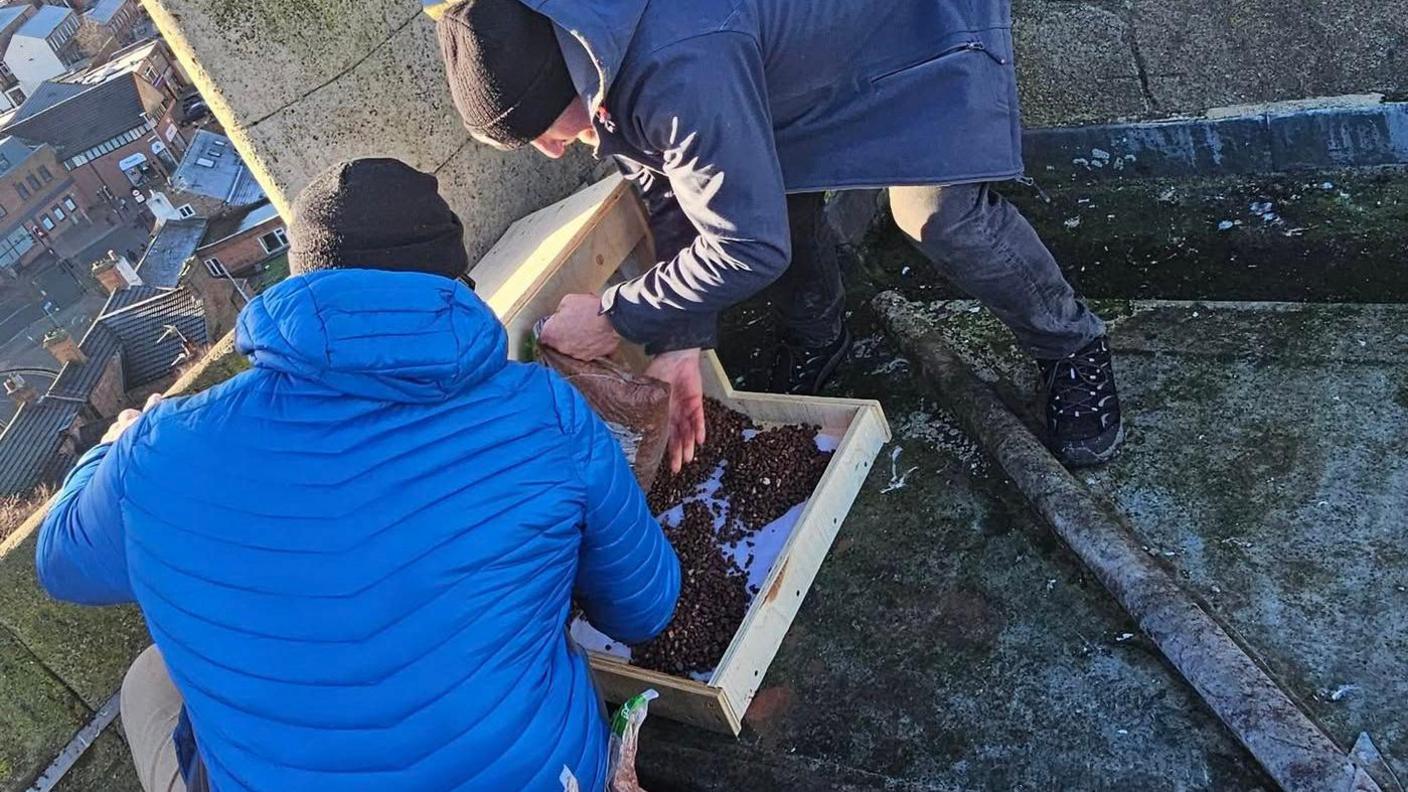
(703, 107)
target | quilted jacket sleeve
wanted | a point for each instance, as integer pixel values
(81, 555)
(628, 577)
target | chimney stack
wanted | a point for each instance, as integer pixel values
(61, 345)
(115, 273)
(19, 390)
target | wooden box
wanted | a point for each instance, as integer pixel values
(578, 245)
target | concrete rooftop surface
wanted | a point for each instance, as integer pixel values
(951, 642)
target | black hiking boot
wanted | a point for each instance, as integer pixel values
(802, 370)
(1083, 423)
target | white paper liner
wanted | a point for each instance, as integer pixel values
(767, 546)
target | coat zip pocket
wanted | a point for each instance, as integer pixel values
(967, 46)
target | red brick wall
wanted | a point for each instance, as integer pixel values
(109, 397)
(240, 253)
(26, 211)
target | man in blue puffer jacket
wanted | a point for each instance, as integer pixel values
(357, 559)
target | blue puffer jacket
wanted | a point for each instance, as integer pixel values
(358, 558)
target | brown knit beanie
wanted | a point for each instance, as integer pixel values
(506, 71)
(375, 214)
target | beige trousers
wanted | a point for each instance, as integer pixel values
(151, 705)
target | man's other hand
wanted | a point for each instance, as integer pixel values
(681, 370)
(579, 329)
(126, 418)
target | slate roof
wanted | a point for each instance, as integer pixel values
(48, 94)
(211, 167)
(132, 324)
(85, 119)
(77, 381)
(145, 359)
(172, 246)
(29, 443)
(45, 21)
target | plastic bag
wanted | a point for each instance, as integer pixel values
(625, 742)
(635, 408)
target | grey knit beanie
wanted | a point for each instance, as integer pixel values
(506, 71)
(375, 214)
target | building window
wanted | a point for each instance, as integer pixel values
(15, 245)
(150, 74)
(274, 240)
(59, 212)
(22, 190)
(47, 222)
(33, 181)
(215, 268)
(186, 210)
(69, 204)
(45, 174)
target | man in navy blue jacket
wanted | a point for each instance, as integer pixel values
(733, 116)
(357, 559)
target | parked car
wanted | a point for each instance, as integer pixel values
(194, 108)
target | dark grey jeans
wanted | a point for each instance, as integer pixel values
(973, 236)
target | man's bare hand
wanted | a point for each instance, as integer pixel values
(579, 329)
(126, 418)
(681, 370)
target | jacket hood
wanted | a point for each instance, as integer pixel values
(394, 336)
(604, 28)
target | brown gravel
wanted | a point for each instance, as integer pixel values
(762, 478)
(713, 600)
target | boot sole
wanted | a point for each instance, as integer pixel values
(1084, 456)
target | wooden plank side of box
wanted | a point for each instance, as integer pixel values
(683, 700)
(758, 639)
(573, 246)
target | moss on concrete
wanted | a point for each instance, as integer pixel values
(88, 648)
(105, 767)
(1328, 237)
(37, 714)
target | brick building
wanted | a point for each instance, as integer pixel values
(39, 203)
(116, 137)
(238, 242)
(107, 26)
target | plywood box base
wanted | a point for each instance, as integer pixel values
(578, 245)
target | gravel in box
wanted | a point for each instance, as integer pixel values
(765, 473)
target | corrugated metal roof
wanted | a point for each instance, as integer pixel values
(45, 21)
(172, 246)
(29, 444)
(149, 351)
(77, 380)
(212, 168)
